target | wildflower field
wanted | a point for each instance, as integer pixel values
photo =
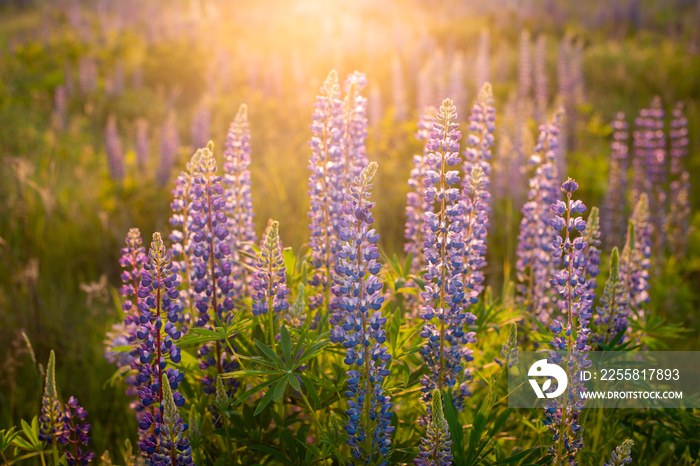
(316, 232)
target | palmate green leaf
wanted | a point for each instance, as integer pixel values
(7, 437)
(30, 436)
(267, 398)
(258, 360)
(198, 336)
(286, 343)
(253, 390)
(270, 354)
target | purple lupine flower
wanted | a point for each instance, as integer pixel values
(113, 146)
(169, 145)
(435, 446)
(355, 128)
(173, 447)
(621, 455)
(181, 237)
(158, 333)
(200, 128)
(534, 260)
(677, 222)
(325, 183)
(571, 284)
(358, 324)
(51, 426)
(270, 278)
(239, 200)
(443, 297)
(142, 143)
(482, 124)
(416, 205)
(657, 176)
(592, 239)
(636, 258)
(482, 65)
(541, 79)
(613, 310)
(76, 434)
(398, 86)
(525, 67)
(615, 199)
(211, 267)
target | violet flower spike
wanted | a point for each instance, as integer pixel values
(358, 325)
(76, 434)
(613, 310)
(270, 277)
(51, 425)
(435, 446)
(239, 201)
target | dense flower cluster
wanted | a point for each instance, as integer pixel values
(158, 334)
(443, 297)
(270, 278)
(636, 257)
(435, 446)
(325, 183)
(613, 310)
(416, 205)
(76, 434)
(239, 200)
(677, 225)
(614, 212)
(621, 455)
(570, 281)
(534, 260)
(173, 447)
(354, 127)
(51, 424)
(359, 324)
(211, 268)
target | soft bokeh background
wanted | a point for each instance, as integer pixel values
(72, 73)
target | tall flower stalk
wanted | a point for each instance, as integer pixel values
(51, 425)
(614, 202)
(211, 267)
(239, 200)
(325, 188)
(677, 222)
(158, 335)
(570, 281)
(636, 258)
(435, 447)
(358, 325)
(443, 298)
(613, 310)
(534, 260)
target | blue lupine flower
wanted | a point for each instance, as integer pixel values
(592, 239)
(173, 447)
(358, 324)
(636, 257)
(621, 455)
(678, 219)
(534, 260)
(325, 186)
(354, 157)
(76, 433)
(614, 202)
(270, 278)
(211, 267)
(443, 297)
(570, 283)
(239, 200)
(435, 446)
(613, 310)
(416, 205)
(51, 426)
(158, 333)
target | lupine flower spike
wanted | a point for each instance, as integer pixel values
(443, 297)
(677, 223)
(76, 434)
(173, 447)
(158, 333)
(435, 446)
(325, 187)
(636, 258)
(211, 267)
(612, 313)
(534, 260)
(615, 199)
(358, 324)
(270, 280)
(570, 282)
(51, 419)
(239, 201)
(621, 455)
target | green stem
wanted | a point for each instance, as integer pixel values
(313, 412)
(55, 453)
(43, 460)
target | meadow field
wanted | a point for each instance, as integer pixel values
(334, 225)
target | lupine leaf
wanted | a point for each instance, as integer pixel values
(269, 353)
(286, 343)
(266, 399)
